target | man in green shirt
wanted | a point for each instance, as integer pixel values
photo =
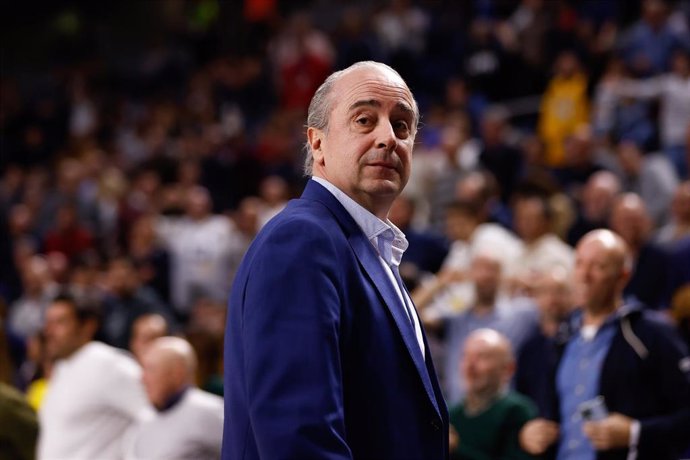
(485, 426)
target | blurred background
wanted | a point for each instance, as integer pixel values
(144, 143)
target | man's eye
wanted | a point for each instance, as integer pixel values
(401, 125)
(362, 121)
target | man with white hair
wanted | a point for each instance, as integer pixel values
(189, 422)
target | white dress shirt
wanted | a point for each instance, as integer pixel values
(388, 241)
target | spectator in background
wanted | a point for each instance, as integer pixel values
(151, 260)
(553, 295)
(111, 189)
(68, 236)
(67, 193)
(651, 176)
(618, 351)
(126, 300)
(451, 292)
(426, 251)
(246, 224)
(141, 199)
(189, 422)
(527, 31)
(489, 309)
(482, 189)
(302, 56)
(485, 60)
(95, 392)
(355, 41)
(648, 45)
(673, 91)
(199, 244)
(275, 193)
(542, 250)
(580, 161)
(457, 154)
(564, 106)
(497, 156)
(402, 28)
(18, 425)
(678, 227)
(649, 276)
(205, 332)
(486, 424)
(594, 209)
(26, 313)
(145, 329)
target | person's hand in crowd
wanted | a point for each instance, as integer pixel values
(453, 439)
(613, 432)
(537, 435)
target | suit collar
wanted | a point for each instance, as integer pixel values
(369, 259)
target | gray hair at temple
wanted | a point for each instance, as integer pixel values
(320, 106)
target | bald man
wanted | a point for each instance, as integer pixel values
(623, 380)
(650, 262)
(486, 424)
(189, 422)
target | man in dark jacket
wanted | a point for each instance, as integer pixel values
(623, 379)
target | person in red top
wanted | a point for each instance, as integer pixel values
(68, 236)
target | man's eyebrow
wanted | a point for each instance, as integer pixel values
(375, 103)
(364, 103)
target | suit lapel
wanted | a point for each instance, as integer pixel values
(369, 260)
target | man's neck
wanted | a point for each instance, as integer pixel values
(378, 206)
(479, 401)
(595, 316)
(549, 326)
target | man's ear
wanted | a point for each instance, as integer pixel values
(314, 137)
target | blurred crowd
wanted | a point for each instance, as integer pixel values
(136, 184)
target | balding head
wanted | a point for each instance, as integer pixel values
(602, 268)
(598, 195)
(323, 100)
(630, 219)
(487, 363)
(169, 366)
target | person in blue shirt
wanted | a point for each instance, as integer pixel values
(621, 354)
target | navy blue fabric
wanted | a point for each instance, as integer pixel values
(320, 361)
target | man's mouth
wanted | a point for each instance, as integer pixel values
(383, 165)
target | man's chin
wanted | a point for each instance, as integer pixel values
(385, 188)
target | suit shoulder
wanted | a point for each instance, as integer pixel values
(302, 221)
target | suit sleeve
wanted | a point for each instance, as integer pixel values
(291, 330)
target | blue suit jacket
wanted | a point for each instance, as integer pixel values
(320, 360)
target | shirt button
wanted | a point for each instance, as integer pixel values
(584, 364)
(579, 389)
(435, 424)
(573, 444)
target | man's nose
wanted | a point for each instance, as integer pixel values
(385, 136)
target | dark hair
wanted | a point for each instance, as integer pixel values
(84, 309)
(547, 209)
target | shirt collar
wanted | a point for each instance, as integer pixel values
(389, 240)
